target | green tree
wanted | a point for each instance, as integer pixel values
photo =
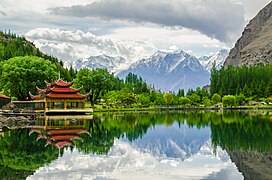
(229, 100)
(240, 99)
(21, 75)
(97, 81)
(144, 99)
(216, 98)
(159, 100)
(180, 93)
(195, 99)
(168, 98)
(112, 96)
(184, 101)
(206, 101)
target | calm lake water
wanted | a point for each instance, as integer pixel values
(173, 145)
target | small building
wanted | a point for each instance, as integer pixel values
(60, 97)
(4, 100)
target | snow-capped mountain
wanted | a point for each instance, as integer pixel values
(100, 61)
(170, 71)
(219, 58)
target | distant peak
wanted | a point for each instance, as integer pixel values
(223, 51)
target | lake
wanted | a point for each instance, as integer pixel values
(157, 145)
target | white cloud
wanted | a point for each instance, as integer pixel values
(72, 45)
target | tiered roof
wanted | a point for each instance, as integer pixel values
(59, 89)
(59, 137)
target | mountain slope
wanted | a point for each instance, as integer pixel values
(254, 46)
(100, 61)
(170, 71)
(219, 59)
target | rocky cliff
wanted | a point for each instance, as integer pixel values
(255, 44)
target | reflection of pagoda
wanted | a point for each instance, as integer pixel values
(60, 131)
(59, 97)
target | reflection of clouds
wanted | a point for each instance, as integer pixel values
(176, 141)
(126, 162)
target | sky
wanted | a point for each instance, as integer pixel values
(73, 29)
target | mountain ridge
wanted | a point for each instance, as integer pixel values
(254, 46)
(170, 71)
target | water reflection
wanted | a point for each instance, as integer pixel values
(190, 145)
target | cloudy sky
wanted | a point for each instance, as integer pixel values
(80, 28)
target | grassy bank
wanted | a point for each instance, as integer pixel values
(100, 108)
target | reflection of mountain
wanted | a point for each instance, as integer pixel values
(253, 165)
(174, 141)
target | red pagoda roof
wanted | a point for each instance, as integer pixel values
(70, 96)
(59, 89)
(66, 90)
(35, 96)
(3, 97)
(60, 83)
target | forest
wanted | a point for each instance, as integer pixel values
(23, 67)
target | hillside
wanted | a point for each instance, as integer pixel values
(254, 46)
(12, 45)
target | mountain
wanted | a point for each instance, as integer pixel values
(170, 71)
(254, 46)
(219, 58)
(100, 61)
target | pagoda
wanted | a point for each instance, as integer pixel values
(60, 97)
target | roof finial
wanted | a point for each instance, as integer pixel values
(59, 74)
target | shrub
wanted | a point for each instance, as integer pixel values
(216, 98)
(229, 100)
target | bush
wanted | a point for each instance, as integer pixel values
(206, 101)
(216, 98)
(195, 99)
(229, 100)
(240, 99)
(184, 101)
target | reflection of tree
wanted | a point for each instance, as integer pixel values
(22, 154)
(106, 127)
(241, 131)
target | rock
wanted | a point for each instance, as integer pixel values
(254, 46)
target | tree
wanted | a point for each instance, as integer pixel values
(144, 99)
(184, 101)
(97, 81)
(112, 96)
(168, 98)
(159, 100)
(180, 93)
(229, 100)
(195, 99)
(216, 98)
(21, 75)
(206, 101)
(240, 99)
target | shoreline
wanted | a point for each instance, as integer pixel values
(180, 109)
